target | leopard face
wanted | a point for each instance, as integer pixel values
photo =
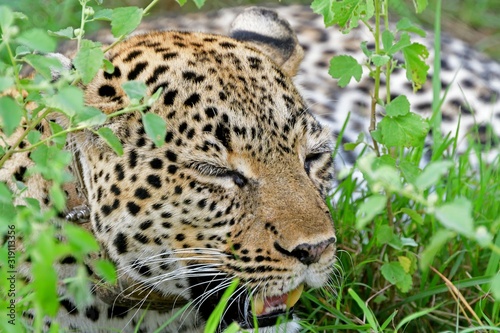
(238, 188)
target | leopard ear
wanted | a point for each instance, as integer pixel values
(66, 65)
(270, 34)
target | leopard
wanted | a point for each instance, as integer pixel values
(238, 189)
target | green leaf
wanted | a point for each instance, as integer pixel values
(384, 234)
(106, 270)
(34, 136)
(88, 60)
(409, 170)
(103, 15)
(57, 197)
(405, 24)
(135, 89)
(406, 131)
(64, 33)
(181, 2)
(156, 128)
(107, 135)
(108, 66)
(387, 39)
(59, 140)
(372, 206)
(325, 9)
(5, 194)
(380, 60)
(10, 115)
(347, 13)
(420, 5)
(68, 100)
(416, 68)
(38, 40)
(404, 41)
(413, 215)
(344, 68)
(90, 116)
(124, 20)
(438, 240)
(370, 317)
(6, 17)
(5, 83)
(457, 216)
(393, 272)
(405, 284)
(399, 106)
(495, 287)
(199, 3)
(80, 240)
(43, 65)
(432, 173)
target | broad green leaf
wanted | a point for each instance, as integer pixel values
(38, 40)
(6, 17)
(111, 140)
(59, 140)
(413, 215)
(352, 145)
(325, 9)
(457, 216)
(108, 66)
(364, 48)
(181, 2)
(387, 39)
(405, 24)
(432, 173)
(483, 237)
(405, 262)
(22, 50)
(438, 240)
(10, 115)
(404, 41)
(155, 127)
(384, 234)
(34, 136)
(495, 287)
(404, 131)
(5, 83)
(57, 196)
(347, 13)
(199, 3)
(405, 284)
(65, 33)
(420, 5)
(5, 194)
(80, 240)
(409, 170)
(416, 68)
(43, 65)
(135, 89)
(68, 100)
(380, 60)
(103, 15)
(124, 20)
(399, 106)
(393, 272)
(106, 269)
(372, 206)
(88, 60)
(344, 68)
(89, 116)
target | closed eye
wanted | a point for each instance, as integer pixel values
(220, 172)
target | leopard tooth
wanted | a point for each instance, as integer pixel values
(258, 305)
(293, 296)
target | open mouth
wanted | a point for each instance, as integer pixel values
(267, 310)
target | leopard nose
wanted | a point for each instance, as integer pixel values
(307, 253)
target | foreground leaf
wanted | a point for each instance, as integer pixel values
(10, 115)
(457, 216)
(111, 140)
(124, 20)
(404, 131)
(155, 127)
(344, 68)
(88, 60)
